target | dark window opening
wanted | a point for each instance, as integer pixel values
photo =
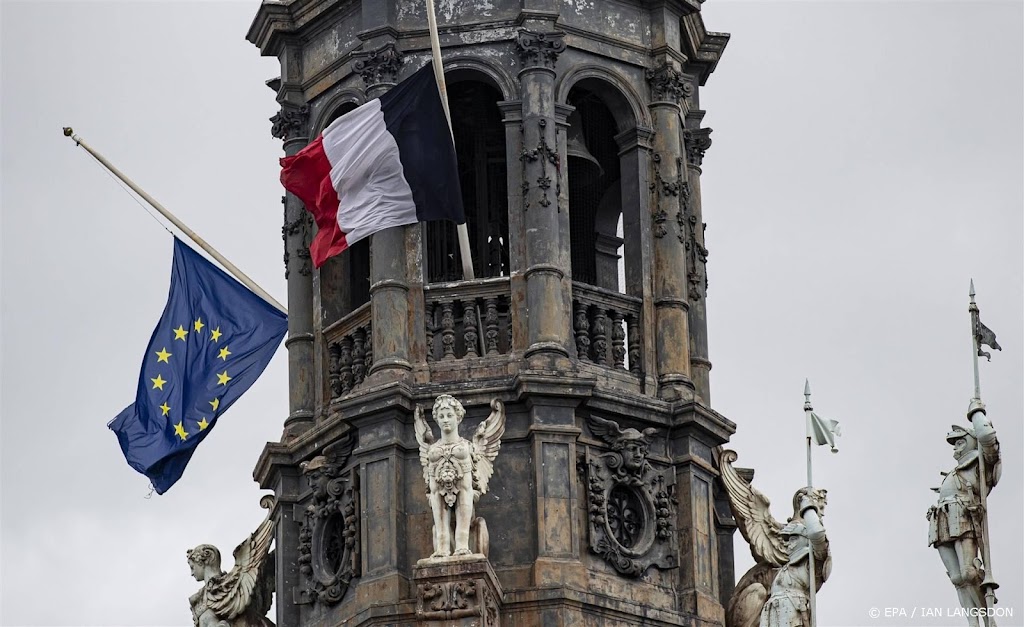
(595, 202)
(480, 146)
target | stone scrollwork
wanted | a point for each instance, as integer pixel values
(539, 49)
(290, 122)
(631, 504)
(669, 84)
(329, 529)
(378, 66)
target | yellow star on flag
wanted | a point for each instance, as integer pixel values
(223, 378)
(203, 424)
(223, 354)
(163, 355)
(198, 325)
(165, 407)
(215, 334)
(215, 403)
(179, 430)
(180, 333)
(158, 382)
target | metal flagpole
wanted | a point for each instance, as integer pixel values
(435, 48)
(230, 267)
(989, 584)
(810, 484)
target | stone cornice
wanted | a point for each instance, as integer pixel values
(703, 47)
(277, 18)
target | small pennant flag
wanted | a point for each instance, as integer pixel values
(824, 431)
(985, 337)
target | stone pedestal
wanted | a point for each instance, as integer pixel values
(457, 591)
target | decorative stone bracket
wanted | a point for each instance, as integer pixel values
(329, 528)
(631, 502)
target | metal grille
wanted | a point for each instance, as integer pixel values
(586, 193)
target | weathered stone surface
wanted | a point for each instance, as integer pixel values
(561, 354)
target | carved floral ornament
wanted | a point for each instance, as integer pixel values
(329, 528)
(696, 142)
(631, 504)
(290, 122)
(378, 66)
(669, 84)
(539, 49)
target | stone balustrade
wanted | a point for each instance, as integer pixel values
(467, 319)
(350, 351)
(606, 326)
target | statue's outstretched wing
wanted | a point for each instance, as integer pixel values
(243, 585)
(753, 515)
(486, 442)
(605, 429)
(425, 437)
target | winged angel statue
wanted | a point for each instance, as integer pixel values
(775, 591)
(457, 472)
(241, 597)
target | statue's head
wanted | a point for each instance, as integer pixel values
(794, 536)
(962, 439)
(448, 413)
(632, 446)
(202, 557)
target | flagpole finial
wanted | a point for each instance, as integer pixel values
(972, 290)
(68, 131)
(807, 395)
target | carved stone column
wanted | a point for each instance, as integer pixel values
(291, 124)
(696, 142)
(667, 186)
(543, 238)
(390, 250)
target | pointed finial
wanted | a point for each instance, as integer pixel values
(972, 290)
(807, 394)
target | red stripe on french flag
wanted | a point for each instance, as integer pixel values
(307, 174)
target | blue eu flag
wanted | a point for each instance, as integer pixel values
(213, 341)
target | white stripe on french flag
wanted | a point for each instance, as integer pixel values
(389, 162)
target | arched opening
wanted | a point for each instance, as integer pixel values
(480, 147)
(345, 278)
(595, 190)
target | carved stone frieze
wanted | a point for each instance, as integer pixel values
(696, 141)
(378, 66)
(329, 529)
(545, 156)
(301, 226)
(539, 49)
(668, 84)
(290, 122)
(632, 508)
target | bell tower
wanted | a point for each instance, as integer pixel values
(580, 147)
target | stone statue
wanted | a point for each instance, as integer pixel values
(456, 472)
(955, 523)
(775, 592)
(241, 597)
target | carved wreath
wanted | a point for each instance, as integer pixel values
(631, 505)
(329, 531)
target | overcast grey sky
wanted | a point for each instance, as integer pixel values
(867, 162)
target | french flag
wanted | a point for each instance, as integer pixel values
(389, 162)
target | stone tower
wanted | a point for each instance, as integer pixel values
(578, 131)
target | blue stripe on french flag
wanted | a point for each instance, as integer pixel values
(389, 162)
